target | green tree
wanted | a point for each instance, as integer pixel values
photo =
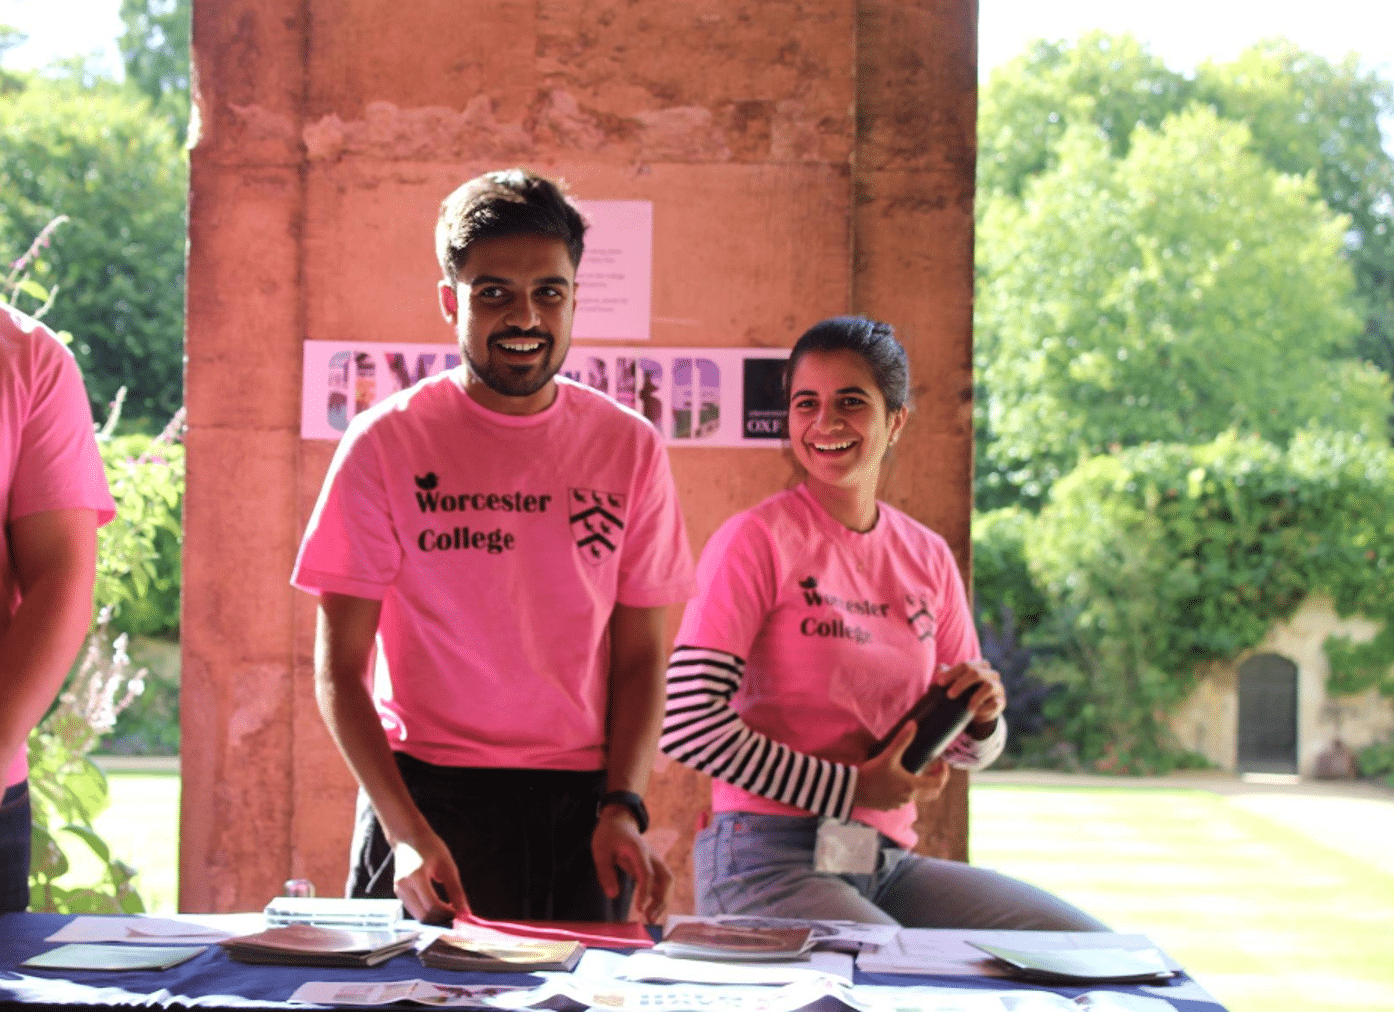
(1110, 81)
(96, 155)
(1305, 114)
(1177, 292)
(1309, 115)
(155, 48)
(10, 37)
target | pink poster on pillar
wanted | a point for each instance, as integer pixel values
(693, 396)
(614, 281)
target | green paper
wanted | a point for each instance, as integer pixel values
(85, 956)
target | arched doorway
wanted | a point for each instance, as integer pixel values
(1267, 715)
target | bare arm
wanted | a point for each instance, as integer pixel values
(635, 719)
(55, 560)
(344, 636)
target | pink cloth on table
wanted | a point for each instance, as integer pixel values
(48, 453)
(498, 545)
(841, 631)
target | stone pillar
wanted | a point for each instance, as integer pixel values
(912, 265)
(787, 186)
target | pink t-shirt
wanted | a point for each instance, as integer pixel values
(841, 631)
(499, 546)
(47, 446)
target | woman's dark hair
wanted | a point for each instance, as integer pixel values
(874, 342)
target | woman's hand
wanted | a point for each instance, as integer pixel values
(988, 698)
(883, 783)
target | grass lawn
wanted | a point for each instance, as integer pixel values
(142, 828)
(1267, 918)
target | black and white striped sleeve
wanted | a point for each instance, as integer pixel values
(968, 753)
(702, 730)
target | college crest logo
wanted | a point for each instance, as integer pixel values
(597, 522)
(920, 618)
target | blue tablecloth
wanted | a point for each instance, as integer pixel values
(211, 979)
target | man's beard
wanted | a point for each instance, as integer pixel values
(510, 381)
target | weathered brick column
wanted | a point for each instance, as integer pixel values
(803, 159)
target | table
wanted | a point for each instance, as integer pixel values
(212, 979)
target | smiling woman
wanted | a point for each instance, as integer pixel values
(823, 615)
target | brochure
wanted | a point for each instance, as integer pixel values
(1089, 966)
(85, 956)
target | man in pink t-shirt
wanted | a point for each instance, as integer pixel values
(505, 543)
(55, 494)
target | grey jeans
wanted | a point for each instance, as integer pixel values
(763, 864)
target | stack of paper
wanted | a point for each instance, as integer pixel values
(308, 945)
(517, 955)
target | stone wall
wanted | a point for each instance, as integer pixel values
(803, 159)
(1208, 722)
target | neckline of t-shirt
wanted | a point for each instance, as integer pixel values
(479, 411)
(835, 525)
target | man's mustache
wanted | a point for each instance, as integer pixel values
(516, 332)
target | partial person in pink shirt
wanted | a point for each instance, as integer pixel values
(821, 617)
(55, 494)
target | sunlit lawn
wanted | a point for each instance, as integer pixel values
(1267, 919)
(142, 828)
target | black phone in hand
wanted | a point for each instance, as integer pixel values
(938, 719)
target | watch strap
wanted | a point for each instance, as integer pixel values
(629, 800)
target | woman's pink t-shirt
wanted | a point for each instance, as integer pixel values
(841, 631)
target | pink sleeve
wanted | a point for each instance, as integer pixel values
(58, 466)
(736, 584)
(350, 544)
(956, 638)
(656, 567)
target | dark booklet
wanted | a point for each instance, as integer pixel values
(516, 955)
(311, 945)
(938, 721)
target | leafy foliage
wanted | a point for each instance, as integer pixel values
(1308, 116)
(1159, 558)
(1110, 82)
(139, 552)
(68, 791)
(98, 156)
(1178, 292)
(155, 49)
(1376, 760)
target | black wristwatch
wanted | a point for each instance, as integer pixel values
(629, 800)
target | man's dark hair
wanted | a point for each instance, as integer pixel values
(506, 202)
(873, 341)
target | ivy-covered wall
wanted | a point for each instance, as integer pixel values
(1148, 564)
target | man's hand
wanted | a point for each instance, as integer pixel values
(883, 783)
(988, 698)
(418, 867)
(616, 844)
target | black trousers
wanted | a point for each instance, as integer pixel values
(521, 840)
(14, 848)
